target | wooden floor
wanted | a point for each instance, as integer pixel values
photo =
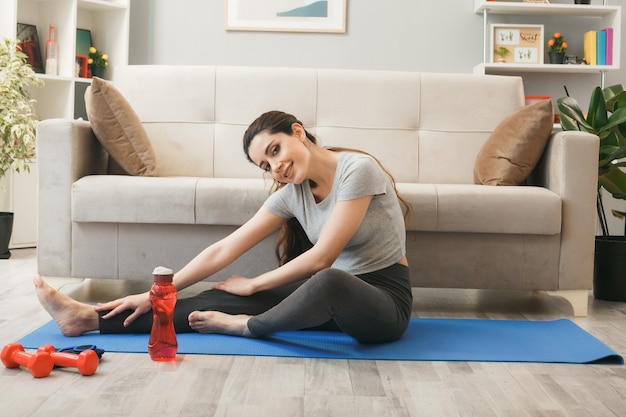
(201, 385)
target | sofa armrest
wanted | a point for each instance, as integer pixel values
(66, 151)
(569, 167)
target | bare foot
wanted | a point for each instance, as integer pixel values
(72, 317)
(218, 322)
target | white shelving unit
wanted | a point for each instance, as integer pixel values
(106, 19)
(602, 15)
(61, 96)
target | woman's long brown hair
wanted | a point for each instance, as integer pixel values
(292, 241)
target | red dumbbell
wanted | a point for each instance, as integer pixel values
(39, 364)
(86, 362)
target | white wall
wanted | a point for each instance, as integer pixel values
(397, 34)
(411, 35)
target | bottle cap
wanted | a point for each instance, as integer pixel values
(161, 270)
(162, 274)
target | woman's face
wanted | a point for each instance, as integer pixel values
(284, 156)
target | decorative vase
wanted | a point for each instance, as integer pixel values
(556, 57)
(609, 279)
(6, 228)
(98, 72)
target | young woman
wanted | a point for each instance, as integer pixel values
(342, 253)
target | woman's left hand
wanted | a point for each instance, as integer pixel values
(236, 285)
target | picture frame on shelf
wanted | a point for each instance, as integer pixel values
(523, 43)
(314, 16)
(83, 42)
(82, 66)
(28, 41)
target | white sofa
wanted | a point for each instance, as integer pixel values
(426, 128)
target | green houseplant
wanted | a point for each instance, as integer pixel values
(606, 118)
(17, 123)
(556, 48)
(98, 62)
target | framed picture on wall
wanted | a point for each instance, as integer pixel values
(286, 15)
(28, 41)
(516, 44)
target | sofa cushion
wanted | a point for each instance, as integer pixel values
(229, 201)
(471, 208)
(118, 128)
(167, 200)
(511, 210)
(134, 199)
(515, 146)
(423, 201)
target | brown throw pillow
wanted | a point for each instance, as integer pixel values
(118, 128)
(513, 149)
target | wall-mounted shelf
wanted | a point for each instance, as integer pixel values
(543, 9)
(545, 68)
(602, 16)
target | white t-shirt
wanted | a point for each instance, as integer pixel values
(380, 240)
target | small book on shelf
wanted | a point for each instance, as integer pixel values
(609, 45)
(598, 47)
(590, 47)
(601, 48)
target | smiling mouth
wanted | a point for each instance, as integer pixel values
(287, 171)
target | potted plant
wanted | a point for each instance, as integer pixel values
(501, 52)
(98, 62)
(17, 123)
(606, 118)
(556, 48)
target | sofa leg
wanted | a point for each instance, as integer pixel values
(579, 300)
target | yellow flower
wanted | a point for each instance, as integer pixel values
(97, 59)
(90, 61)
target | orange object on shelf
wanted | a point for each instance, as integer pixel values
(534, 99)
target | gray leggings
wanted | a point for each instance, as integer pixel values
(371, 312)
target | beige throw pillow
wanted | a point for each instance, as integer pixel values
(118, 128)
(513, 149)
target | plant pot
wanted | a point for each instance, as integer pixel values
(98, 72)
(582, 1)
(6, 228)
(556, 57)
(609, 274)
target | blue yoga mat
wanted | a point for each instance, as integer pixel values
(558, 341)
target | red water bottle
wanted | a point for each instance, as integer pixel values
(163, 345)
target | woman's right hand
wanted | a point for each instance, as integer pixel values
(139, 303)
